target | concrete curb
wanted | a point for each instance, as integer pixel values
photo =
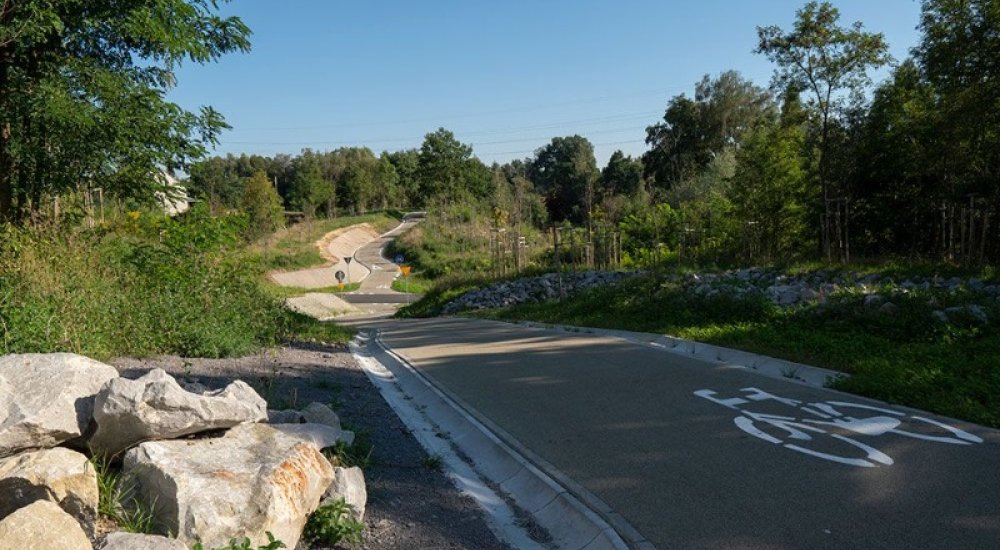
(719, 356)
(575, 518)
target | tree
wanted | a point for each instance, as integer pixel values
(960, 57)
(309, 189)
(565, 171)
(767, 189)
(82, 88)
(622, 175)
(263, 205)
(694, 131)
(443, 162)
(828, 61)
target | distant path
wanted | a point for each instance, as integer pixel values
(375, 273)
(334, 246)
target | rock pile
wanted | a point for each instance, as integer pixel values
(239, 478)
(874, 291)
(532, 289)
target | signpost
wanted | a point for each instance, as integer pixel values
(348, 260)
(340, 278)
(405, 270)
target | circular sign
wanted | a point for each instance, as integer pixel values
(339, 275)
(398, 259)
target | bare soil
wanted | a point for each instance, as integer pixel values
(410, 504)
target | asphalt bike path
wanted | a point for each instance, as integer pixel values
(376, 288)
(699, 455)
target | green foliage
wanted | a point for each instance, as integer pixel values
(82, 95)
(358, 454)
(116, 498)
(141, 285)
(334, 523)
(694, 131)
(768, 193)
(262, 205)
(565, 172)
(245, 544)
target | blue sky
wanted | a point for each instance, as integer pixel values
(504, 76)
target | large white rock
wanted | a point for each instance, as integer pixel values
(47, 399)
(349, 484)
(42, 525)
(58, 475)
(251, 481)
(136, 541)
(319, 413)
(156, 407)
(320, 435)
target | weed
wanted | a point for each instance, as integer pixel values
(334, 523)
(433, 462)
(359, 454)
(245, 544)
(117, 500)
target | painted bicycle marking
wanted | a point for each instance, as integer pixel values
(826, 416)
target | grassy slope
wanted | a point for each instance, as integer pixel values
(295, 247)
(907, 358)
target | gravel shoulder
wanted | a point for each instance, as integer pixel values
(410, 505)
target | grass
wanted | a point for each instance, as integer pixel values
(413, 284)
(295, 247)
(906, 358)
(334, 523)
(359, 454)
(282, 292)
(116, 498)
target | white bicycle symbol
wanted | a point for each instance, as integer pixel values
(828, 417)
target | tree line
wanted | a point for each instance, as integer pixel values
(818, 163)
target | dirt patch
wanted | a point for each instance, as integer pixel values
(410, 505)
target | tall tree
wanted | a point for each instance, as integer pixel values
(82, 94)
(565, 171)
(829, 61)
(960, 57)
(694, 131)
(443, 162)
(262, 204)
(622, 175)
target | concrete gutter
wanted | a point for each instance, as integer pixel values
(491, 466)
(715, 355)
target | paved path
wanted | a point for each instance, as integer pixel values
(696, 455)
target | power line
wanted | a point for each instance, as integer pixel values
(474, 115)
(580, 122)
(531, 151)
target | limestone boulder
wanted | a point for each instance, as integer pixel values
(288, 416)
(42, 524)
(155, 407)
(253, 480)
(58, 475)
(348, 484)
(318, 413)
(320, 435)
(136, 541)
(47, 399)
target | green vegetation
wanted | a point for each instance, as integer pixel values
(334, 523)
(245, 544)
(908, 357)
(358, 454)
(295, 247)
(279, 291)
(116, 498)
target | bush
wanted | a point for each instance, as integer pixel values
(335, 522)
(141, 285)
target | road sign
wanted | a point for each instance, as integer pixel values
(340, 276)
(405, 270)
(398, 259)
(348, 260)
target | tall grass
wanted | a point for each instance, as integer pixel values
(140, 285)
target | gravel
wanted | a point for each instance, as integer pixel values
(410, 505)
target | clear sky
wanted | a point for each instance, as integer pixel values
(505, 76)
